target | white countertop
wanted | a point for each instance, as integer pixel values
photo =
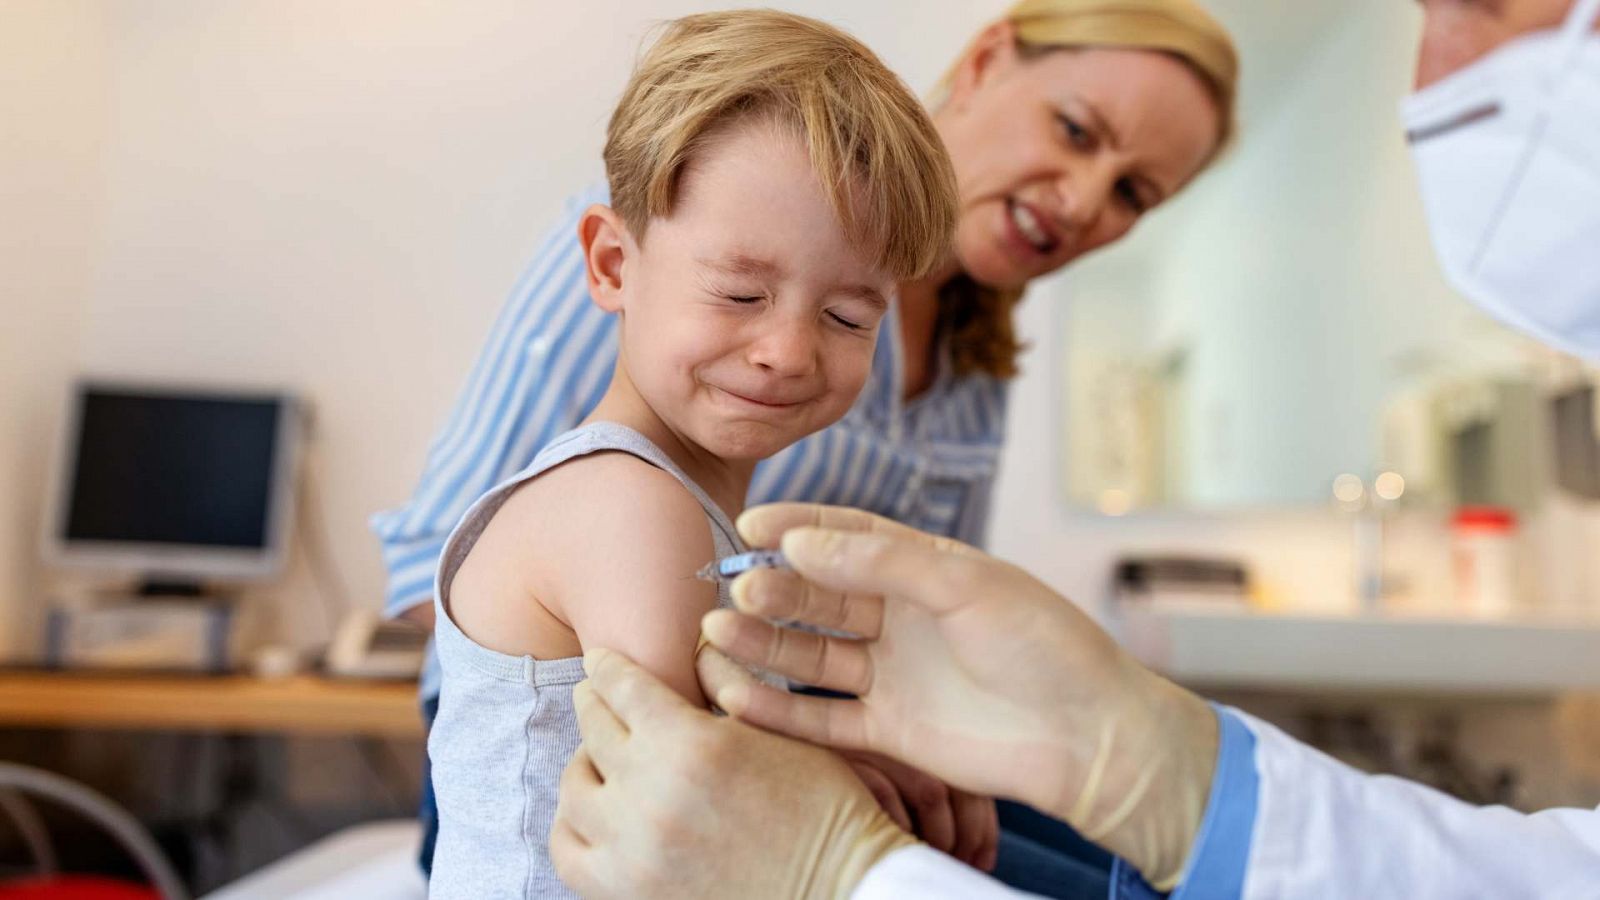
(1237, 648)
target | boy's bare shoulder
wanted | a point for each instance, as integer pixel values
(608, 519)
(603, 499)
(600, 551)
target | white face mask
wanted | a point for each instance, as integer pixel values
(1508, 154)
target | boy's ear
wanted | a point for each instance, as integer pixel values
(606, 244)
(994, 50)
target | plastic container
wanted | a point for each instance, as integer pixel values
(1484, 560)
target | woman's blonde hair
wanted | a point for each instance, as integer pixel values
(871, 143)
(978, 319)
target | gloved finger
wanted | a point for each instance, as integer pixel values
(832, 722)
(977, 828)
(780, 594)
(829, 721)
(719, 675)
(883, 791)
(604, 738)
(936, 579)
(763, 526)
(634, 695)
(580, 801)
(838, 664)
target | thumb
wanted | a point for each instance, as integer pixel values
(721, 678)
(935, 577)
(632, 692)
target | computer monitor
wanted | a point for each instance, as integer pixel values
(176, 486)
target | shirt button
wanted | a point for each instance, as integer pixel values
(539, 346)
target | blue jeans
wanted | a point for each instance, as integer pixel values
(428, 809)
(1037, 853)
(1045, 856)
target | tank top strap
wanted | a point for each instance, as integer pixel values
(598, 437)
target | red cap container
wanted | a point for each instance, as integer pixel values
(1485, 518)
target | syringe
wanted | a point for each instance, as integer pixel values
(730, 567)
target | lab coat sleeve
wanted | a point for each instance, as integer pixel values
(1324, 829)
(923, 872)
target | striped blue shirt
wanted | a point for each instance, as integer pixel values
(929, 462)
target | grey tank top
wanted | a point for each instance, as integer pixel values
(506, 726)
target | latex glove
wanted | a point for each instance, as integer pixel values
(666, 800)
(949, 820)
(969, 669)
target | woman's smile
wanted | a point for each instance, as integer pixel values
(1027, 224)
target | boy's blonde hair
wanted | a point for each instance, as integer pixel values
(874, 150)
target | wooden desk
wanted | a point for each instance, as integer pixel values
(302, 705)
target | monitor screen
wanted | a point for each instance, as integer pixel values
(192, 470)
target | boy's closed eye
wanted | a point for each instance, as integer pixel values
(853, 326)
(848, 318)
(861, 308)
(856, 317)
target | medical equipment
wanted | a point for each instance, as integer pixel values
(730, 567)
(1483, 557)
(1182, 581)
(175, 486)
(185, 634)
(367, 646)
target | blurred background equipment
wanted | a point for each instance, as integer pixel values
(169, 498)
(176, 486)
(367, 646)
(46, 883)
(1184, 581)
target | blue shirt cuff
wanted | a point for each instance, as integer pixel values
(1222, 847)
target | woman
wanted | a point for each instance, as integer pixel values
(1066, 121)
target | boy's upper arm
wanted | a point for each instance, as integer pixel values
(627, 567)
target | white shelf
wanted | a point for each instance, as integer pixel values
(1240, 649)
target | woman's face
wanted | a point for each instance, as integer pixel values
(1061, 153)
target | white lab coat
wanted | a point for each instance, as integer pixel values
(1323, 829)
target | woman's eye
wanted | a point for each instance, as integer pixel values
(1076, 134)
(853, 326)
(743, 299)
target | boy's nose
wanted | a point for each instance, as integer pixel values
(787, 348)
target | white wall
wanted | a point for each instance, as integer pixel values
(52, 109)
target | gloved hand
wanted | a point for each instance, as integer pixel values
(969, 669)
(666, 800)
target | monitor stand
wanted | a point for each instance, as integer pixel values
(152, 587)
